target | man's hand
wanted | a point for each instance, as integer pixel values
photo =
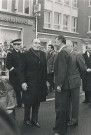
(89, 70)
(24, 86)
(58, 89)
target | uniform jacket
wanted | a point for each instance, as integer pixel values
(13, 60)
(68, 67)
(86, 81)
(34, 73)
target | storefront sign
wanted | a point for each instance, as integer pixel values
(18, 20)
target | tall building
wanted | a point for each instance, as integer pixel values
(16, 21)
(63, 17)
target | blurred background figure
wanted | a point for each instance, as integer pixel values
(7, 124)
(50, 67)
(86, 81)
(24, 49)
(75, 47)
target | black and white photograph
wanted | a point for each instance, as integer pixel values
(45, 67)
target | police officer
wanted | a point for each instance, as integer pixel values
(12, 64)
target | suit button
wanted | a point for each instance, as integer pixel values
(39, 62)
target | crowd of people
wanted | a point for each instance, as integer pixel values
(30, 72)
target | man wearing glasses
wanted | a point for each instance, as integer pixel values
(12, 64)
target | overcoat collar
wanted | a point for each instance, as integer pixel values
(32, 50)
(16, 53)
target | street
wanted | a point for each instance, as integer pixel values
(47, 120)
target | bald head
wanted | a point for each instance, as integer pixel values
(36, 40)
(36, 44)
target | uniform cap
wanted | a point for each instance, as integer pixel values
(16, 41)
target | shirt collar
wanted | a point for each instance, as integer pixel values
(61, 48)
(88, 54)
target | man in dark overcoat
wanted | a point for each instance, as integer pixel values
(33, 77)
(86, 81)
(12, 64)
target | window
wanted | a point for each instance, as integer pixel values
(57, 20)
(20, 6)
(65, 22)
(66, 2)
(89, 2)
(26, 8)
(90, 24)
(4, 4)
(47, 19)
(49, 0)
(74, 3)
(17, 6)
(74, 24)
(23, 6)
(58, 1)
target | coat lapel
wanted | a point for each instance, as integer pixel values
(15, 53)
(38, 56)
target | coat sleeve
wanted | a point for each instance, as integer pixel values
(9, 60)
(81, 64)
(22, 69)
(9, 63)
(62, 67)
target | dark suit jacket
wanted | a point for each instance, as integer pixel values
(68, 67)
(86, 81)
(34, 73)
(61, 66)
(13, 60)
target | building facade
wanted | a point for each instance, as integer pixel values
(67, 17)
(16, 21)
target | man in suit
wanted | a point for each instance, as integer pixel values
(76, 71)
(33, 78)
(50, 67)
(61, 85)
(64, 81)
(86, 81)
(12, 64)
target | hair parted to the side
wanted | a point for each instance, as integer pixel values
(62, 38)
